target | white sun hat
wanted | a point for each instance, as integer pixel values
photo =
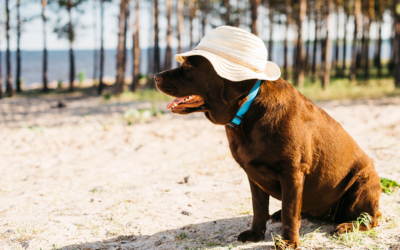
(235, 54)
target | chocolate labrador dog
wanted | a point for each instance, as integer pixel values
(289, 148)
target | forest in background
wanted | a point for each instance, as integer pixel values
(317, 58)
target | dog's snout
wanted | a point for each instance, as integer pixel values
(157, 78)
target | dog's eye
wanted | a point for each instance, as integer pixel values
(187, 65)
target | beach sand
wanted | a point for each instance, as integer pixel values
(81, 178)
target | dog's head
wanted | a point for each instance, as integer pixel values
(198, 88)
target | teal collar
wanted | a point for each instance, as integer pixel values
(245, 107)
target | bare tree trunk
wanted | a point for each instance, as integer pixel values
(300, 66)
(336, 58)
(95, 51)
(307, 58)
(397, 45)
(71, 50)
(366, 69)
(239, 13)
(285, 50)
(44, 72)
(121, 48)
(360, 54)
(204, 14)
(168, 54)
(191, 16)
(254, 13)
(156, 68)
(317, 38)
(18, 72)
(228, 12)
(101, 84)
(392, 42)
(1, 78)
(326, 64)
(353, 69)
(271, 30)
(377, 57)
(127, 10)
(344, 44)
(136, 51)
(180, 24)
(9, 88)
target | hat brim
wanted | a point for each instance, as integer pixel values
(231, 70)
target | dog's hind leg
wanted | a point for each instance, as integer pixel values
(276, 217)
(360, 208)
(261, 215)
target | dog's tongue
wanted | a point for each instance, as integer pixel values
(177, 100)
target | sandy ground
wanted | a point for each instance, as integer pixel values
(81, 178)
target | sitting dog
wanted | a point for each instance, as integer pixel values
(289, 148)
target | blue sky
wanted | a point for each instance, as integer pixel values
(32, 31)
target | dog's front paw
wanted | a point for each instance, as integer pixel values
(343, 228)
(285, 244)
(250, 235)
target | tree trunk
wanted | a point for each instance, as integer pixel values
(397, 45)
(204, 14)
(239, 13)
(366, 49)
(285, 50)
(271, 31)
(254, 9)
(1, 78)
(300, 53)
(9, 88)
(18, 72)
(344, 44)
(353, 69)
(307, 58)
(377, 57)
(71, 50)
(168, 54)
(336, 58)
(44, 72)
(101, 84)
(119, 84)
(360, 54)
(191, 16)
(228, 12)
(180, 24)
(95, 51)
(136, 51)
(156, 67)
(326, 64)
(127, 10)
(392, 42)
(317, 38)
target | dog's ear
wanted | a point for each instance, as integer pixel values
(232, 91)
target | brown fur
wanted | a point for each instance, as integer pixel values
(290, 149)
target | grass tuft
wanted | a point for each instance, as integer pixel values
(388, 186)
(356, 238)
(342, 88)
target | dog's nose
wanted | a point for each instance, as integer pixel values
(157, 78)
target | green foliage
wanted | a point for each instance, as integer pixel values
(81, 76)
(139, 95)
(342, 88)
(355, 238)
(140, 115)
(388, 185)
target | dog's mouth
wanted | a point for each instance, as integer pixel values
(186, 104)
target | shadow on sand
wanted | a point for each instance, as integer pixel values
(206, 235)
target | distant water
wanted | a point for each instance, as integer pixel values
(58, 62)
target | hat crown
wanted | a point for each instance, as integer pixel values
(236, 45)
